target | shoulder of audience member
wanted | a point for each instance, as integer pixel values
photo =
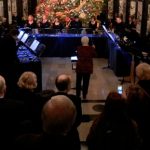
(45, 95)
(15, 107)
(26, 141)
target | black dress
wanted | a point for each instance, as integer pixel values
(57, 26)
(32, 25)
(93, 26)
(76, 24)
(44, 24)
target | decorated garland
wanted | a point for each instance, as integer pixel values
(69, 8)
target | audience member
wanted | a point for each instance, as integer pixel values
(58, 107)
(45, 95)
(113, 129)
(143, 75)
(11, 115)
(63, 84)
(26, 92)
(84, 67)
(138, 108)
(2, 87)
(58, 116)
(9, 60)
(28, 81)
(9, 47)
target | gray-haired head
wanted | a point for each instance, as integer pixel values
(85, 41)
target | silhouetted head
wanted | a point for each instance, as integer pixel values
(138, 101)
(63, 82)
(28, 80)
(115, 105)
(2, 86)
(58, 115)
(143, 71)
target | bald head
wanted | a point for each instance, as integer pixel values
(2, 86)
(58, 115)
(143, 71)
(63, 82)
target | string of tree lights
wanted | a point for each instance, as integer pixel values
(69, 8)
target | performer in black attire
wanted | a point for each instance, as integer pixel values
(31, 23)
(57, 24)
(93, 24)
(103, 18)
(119, 26)
(44, 23)
(132, 23)
(76, 23)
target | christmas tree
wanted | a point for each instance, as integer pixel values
(64, 9)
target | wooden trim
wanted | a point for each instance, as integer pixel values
(19, 8)
(128, 5)
(144, 18)
(31, 6)
(115, 8)
(5, 2)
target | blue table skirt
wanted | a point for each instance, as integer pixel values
(65, 45)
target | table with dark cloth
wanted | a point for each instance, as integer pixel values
(62, 44)
(119, 59)
(65, 45)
